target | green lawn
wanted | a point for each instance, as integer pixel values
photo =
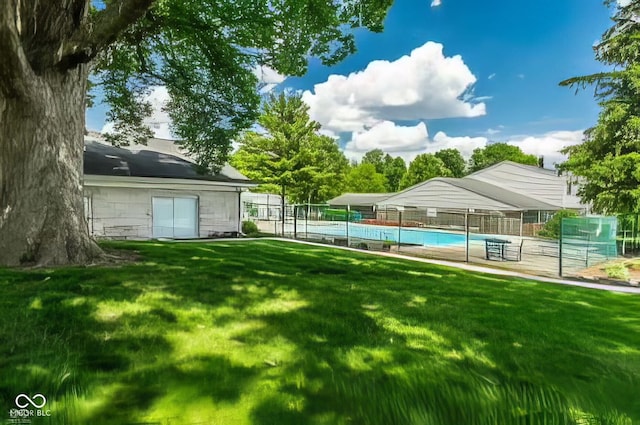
(264, 332)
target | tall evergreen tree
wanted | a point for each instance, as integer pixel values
(608, 161)
(291, 157)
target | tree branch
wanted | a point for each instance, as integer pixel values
(108, 24)
(15, 71)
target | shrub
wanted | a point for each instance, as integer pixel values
(617, 271)
(249, 228)
(551, 228)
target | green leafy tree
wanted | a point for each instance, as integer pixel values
(291, 157)
(608, 162)
(551, 228)
(364, 178)
(424, 167)
(375, 158)
(394, 169)
(453, 160)
(498, 152)
(204, 52)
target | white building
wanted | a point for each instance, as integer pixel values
(154, 191)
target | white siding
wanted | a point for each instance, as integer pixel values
(538, 183)
(121, 212)
(439, 194)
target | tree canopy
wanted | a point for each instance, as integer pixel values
(290, 156)
(453, 160)
(608, 162)
(206, 53)
(498, 152)
(375, 158)
(393, 169)
(424, 167)
(364, 178)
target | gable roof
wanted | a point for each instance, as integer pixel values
(500, 194)
(362, 199)
(107, 160)
(496, 197)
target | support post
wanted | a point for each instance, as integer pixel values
(560, 248)
(282, 206)
(347, 223)
(521, 221)
(466, 225)
(295, 222)
(399, 227)
(239, 192)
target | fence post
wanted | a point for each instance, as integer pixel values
(306, 221)
(466, 225)
(295, 222)
(399, 227)
(560, 248)
(347, 223)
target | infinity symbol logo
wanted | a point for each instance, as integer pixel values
(28, 401)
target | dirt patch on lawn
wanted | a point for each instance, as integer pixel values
(599, 271)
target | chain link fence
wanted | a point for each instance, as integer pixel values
(505, 239)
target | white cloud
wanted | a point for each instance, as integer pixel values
(436, 3)
(549, 145)
(159, 121)
(492, 76)
(389, 137)
(422, 85)
(492, 131)
(464, 144)
(521, 76)
(624, 3)
(269, 78)
(410, 141)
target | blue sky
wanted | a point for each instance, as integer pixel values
(509, 55)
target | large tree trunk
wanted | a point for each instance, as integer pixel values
(41, 158)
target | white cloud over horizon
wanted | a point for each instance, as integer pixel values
(436, 3)
(422, 85)
(412, 141)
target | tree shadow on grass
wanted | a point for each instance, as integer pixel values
(361, 339)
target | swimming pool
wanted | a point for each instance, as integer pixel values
(426, 237)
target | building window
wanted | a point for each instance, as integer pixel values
(175, 217)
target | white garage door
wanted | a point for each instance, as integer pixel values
(175, 217)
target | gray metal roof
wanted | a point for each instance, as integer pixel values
(527, 167)
(106, 160)
(488, 190)
(362, 199)
(481, 195)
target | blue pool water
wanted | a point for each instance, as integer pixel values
(426, 237)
